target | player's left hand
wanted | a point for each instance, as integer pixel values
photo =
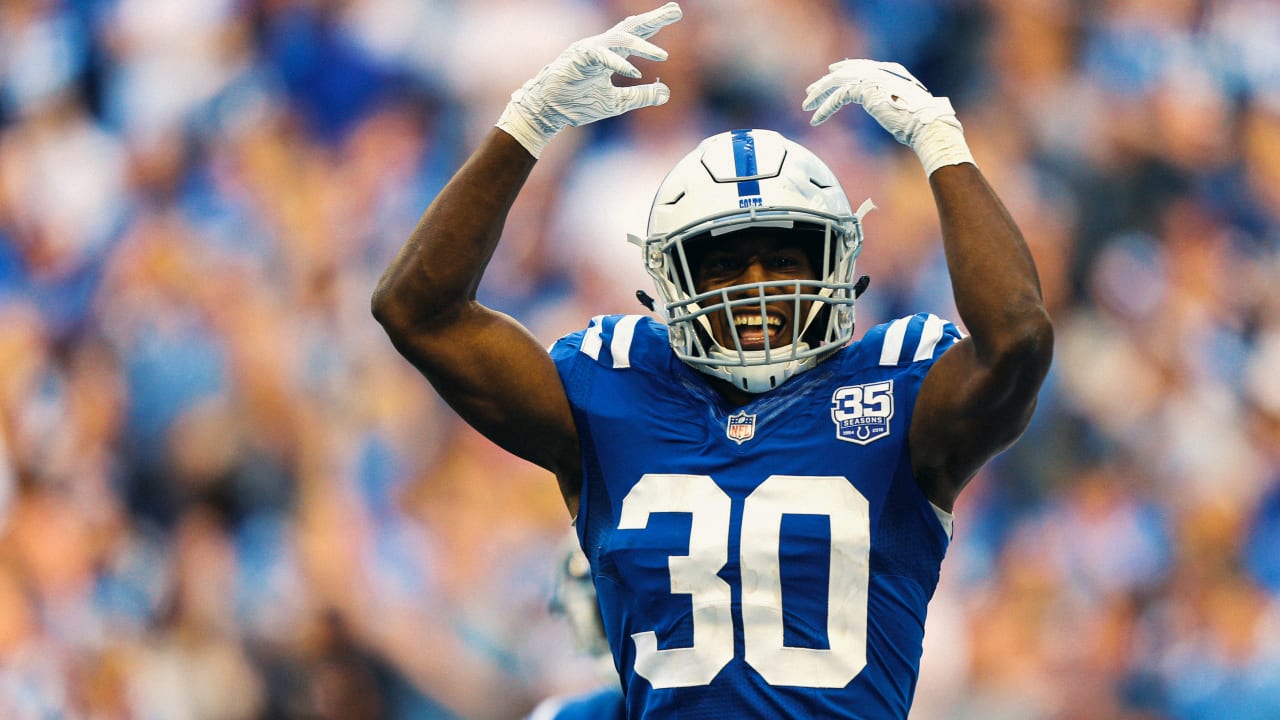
(898, 101)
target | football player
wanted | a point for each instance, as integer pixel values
(765, 502)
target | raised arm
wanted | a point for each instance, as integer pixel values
(979, 396)
(489, 368)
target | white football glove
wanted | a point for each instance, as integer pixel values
(576, 88)
(899, 102)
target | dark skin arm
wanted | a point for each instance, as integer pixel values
(489, 368)
(979, 396)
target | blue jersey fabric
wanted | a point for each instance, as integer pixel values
(769, 561)
(602, 704)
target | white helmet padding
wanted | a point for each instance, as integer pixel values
(753, 179)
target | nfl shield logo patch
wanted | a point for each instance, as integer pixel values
(741, 427)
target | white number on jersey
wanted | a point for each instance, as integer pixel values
(696, 575)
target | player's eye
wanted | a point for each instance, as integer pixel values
(785, 260)
(718, 265)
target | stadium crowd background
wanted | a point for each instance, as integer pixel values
(224, 496)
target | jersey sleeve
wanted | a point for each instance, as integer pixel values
(606, 341)
(609, 343)
(919, 338)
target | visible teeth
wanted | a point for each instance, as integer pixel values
(756, 321)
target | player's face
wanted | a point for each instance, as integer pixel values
(751, 256)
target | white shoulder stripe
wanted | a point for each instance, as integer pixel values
(947, 519)
(929, 338)
(893, 336)
(620, 347)
(619, 341)
(591, 341)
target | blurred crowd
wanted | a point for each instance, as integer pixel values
(224, 496)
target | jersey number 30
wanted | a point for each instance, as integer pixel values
(695, 574)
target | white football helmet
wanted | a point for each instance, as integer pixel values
(753, 179)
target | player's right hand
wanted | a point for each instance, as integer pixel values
(576, 88)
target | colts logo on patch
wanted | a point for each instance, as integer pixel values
(741, 427)
(862, 412)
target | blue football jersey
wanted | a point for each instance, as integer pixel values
(768, 561)
(602, 704)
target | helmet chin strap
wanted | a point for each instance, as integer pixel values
(737, 367)
(646, 300)
(757, 378)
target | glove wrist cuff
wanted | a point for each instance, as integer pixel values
(514, 123)
(941, 144)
